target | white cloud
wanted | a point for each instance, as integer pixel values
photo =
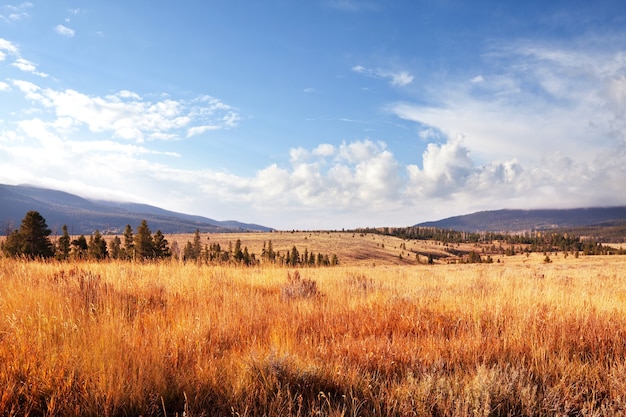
(7, 47)
(127, 116)
(28, 66)
(352, 5)
(198, 130)
(24, 65)
(4, 86)
(13, 13)
(64, 31)
(399, 78)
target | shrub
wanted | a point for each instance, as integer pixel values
(297, 287)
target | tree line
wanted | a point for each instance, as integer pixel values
(535, 241)
(214, 253)
(32, 240)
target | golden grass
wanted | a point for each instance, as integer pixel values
(113, 338)
(352, 248)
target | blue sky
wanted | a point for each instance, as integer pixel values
(322, 114)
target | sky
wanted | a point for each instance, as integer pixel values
(319, 114)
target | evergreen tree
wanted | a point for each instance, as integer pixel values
(79, 247)
(64, 245)
(197, 245)
(271, 255)
(188, 252)
(144, 248)
(295, 256)
(238, 255)
(116, 248)
(32, 238)
(13, 244)
(97, 248)
(129, 243)
(161, 248)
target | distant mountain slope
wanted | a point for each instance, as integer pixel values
(84, 216)
(520, 220)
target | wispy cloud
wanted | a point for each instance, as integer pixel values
(353, 5)
(64, 31)
(12, 13)
(399, 78)
(7, 48)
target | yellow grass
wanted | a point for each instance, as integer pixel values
(516, 338)
(364, 249)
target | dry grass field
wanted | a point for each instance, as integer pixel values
(375, 336)
(353, 249)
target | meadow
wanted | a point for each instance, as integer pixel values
(371, 337)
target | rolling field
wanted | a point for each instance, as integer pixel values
(375, 336)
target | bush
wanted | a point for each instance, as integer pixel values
(296, 287)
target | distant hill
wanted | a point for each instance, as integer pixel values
(83, 216)
(520, 220)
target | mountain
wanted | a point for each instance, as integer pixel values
(83, 216)
(520, 220)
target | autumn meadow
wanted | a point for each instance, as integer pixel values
(384, 333)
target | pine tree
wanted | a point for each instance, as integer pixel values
(144, 248)
(129, 243)
(13, 244)
(197, 245)
(63, 247)
(161, 248)
(32, 238)
(80, 247)
(116, 248)
(97, 248)
(188, 252)
(295, 256)
(238, 254)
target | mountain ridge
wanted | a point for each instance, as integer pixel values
(517, 220)
(83, 216)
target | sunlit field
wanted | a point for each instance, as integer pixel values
(367, 338)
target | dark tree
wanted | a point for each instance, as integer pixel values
(80, 247)
(161, 246)
(13, 245)
(197, 245)
(97, 246)
(294, 259)
(129, 243)
(144, 248)
(188, 252)
(32, 238)
(64, 245)
(116, 248)
(238, 255)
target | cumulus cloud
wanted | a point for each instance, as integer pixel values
(399, 78)
(64, 31)
(128, 116)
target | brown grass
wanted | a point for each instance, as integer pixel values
(352, 248)
(113, 339)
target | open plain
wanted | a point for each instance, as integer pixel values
(379, 335)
